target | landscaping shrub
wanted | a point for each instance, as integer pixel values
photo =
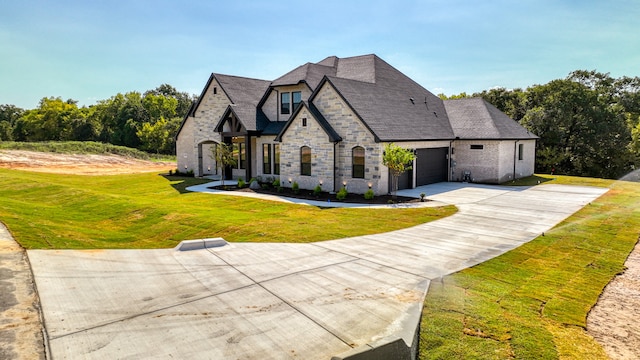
(342, 194)
(369, 195)
(295, 187)
(317, 190)
(241, 183)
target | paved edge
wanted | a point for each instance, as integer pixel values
(403, 344)
(22, 334)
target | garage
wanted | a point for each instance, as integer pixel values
(431, 165)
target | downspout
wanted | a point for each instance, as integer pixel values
(515, 158)
(277, 105)
(334, 166)
(450, 162)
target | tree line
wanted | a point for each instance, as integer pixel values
(147, 121)
(588, 123)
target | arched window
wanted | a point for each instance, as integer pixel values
(357, 161)
(305, 161)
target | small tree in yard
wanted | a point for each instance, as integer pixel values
(222, 154)
(398, 160)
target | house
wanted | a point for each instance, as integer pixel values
(327, 124)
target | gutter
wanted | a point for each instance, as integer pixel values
(334, 166)
(450, 175)
(515, 155)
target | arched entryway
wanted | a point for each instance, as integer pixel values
(206, 165)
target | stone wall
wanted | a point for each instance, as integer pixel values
(200, 129)
(186, 157)
(353, 133)
(482, 164)
(322, 154)
(495, 162)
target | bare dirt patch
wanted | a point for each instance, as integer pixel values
(78, 164)
(20, 326)
(613, 322)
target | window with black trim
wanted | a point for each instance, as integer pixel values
(297, 98)
(357, 160)
(520, 151)
(304, 121)
(285, 103)
(476, 147)
(239, 152)
(305, 161)
(266, 158)
(276, 159)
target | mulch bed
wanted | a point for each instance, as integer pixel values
(323, 196)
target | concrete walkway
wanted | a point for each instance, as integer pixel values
(338, 298)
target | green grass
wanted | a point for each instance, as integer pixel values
(49, 211)
(532, 302)
(82, 147)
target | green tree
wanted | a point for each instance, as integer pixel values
(222, 154)
(580, 131)
(184, 100)
(120, 116)
(153, 137)
(511, 102)
(159, 106)
(398, 160)
(9, 115)
(53, 119)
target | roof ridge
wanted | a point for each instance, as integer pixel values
(240, 77)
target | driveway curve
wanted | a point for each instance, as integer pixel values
(334, 299)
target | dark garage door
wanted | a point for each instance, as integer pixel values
(431, 166)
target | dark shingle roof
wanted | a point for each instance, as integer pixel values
(310, 73)
(245, 93)
(385, 105)
(475, 118)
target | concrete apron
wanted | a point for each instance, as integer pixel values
(351, 298)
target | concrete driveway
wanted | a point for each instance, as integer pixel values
(342, 298)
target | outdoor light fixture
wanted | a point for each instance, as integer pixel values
(208, 168)
(344, 183)
(185, 166)
(289, 180)
(369, 185)
(320, 182)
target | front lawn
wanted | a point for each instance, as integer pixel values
(532, 302)
(49, 211)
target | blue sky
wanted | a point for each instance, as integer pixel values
(91, 50)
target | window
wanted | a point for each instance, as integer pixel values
(477, 147)
(520, 151)
(357, 160)
(305, 161)
(266, 158)
(285, 105)
(276, 159)
(304, 121)
(215, 90)
(297, 98)
(243, 156)
(239, 152)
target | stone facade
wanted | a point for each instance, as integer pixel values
(488, 161)
(258, 161)
(353, 132)
(322, 154)
(271, 107)
(494, 162)
(198, 133)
